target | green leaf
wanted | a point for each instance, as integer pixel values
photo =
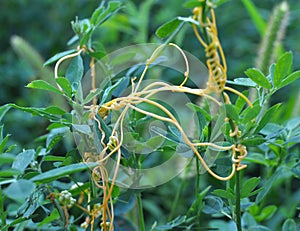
(54, 158)
(82, 128)
(7, 158)
(258, 77)
(257, 19)
(65, 85)
(240, 102)
(19, 190)
(224, 194)
(42, 112)
(283, 68)
(231, 112)
(86, 38)
(242, 82)
(3, 110)
(266, 213)
(54, 137)
(168, 28)
(13, 223)
(109, 90)
(82, 28)
(54, 174)
(255, 192)
(58, 56)
(23, 159)
(55, 110)
(55, 125)
(289, 79)
(198, 203)
(43, 85)
(92, 95)
(74, 72)
(196, 108)
(266, 118)
(220, 2)
(96, 15)
(101, 15)
(213, 205)
(250, 113)
(256, 158)
(10, 172)
(253, 141)
(248, 219)
(3, 143)
(289, 225)
(248, 186)
(269, 183)
(54, 215)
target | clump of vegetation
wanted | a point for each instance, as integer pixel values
(119, 127)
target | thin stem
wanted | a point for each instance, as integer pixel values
(197, 186)
(3, 214)
(197, 177)
(140, 211)
(238, 201)
(176, 199)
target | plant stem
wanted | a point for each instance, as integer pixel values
(3, 214)
(176, 199)
(140, 211)
(197, 178)
(238, 201)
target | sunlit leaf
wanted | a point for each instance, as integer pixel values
(10, 172)
(231, 112)
(266, 213)
(43, 85)
(65, 85)
(283, 68)
(258, 77)
(248, 186)
(168, 28)
(289, 79)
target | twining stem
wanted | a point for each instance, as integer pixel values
(238, 201)
(140, 211)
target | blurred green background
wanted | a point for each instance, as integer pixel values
(45, 25)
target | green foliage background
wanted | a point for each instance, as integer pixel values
(45, 25)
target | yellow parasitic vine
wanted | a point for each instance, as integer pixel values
(216, 64)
